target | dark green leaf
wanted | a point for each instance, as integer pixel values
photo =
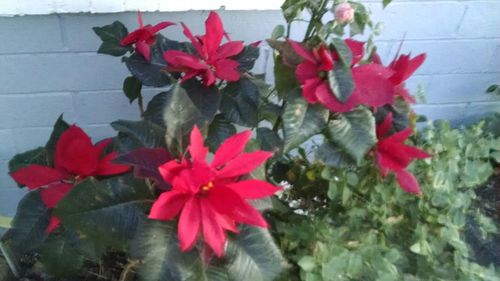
(341, 82)
(29, 225)
(285, 81)
(154, 110)
(354, 132)
(111, 35)
(493, 89)
(218, 131)
(108, 211)
(386, 2)
(59, 127)
(343, 51)
(132, 88)
(240, 102)
(292, 9)
(144, 132)
(61, 255)
(301, 120)
(254, 256)
(334, 156)
(269, 140)
(152, 73)
(35, 156)
(247, 58)
(183, 109)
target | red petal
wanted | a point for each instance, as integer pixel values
(305, 71)
(303, 52)
(384, 128)
(372, 85)
(107, 168)
(160, 26)
(139, 19)
(180, 59)
(168, 205)
(208, 77)
(35, 176)
(214, 33)
(100, 146)
(213, 233)
(405, 94)
(254, 189)
(54, 193)
(244, 164)
(229, 49)
(75, 152)
(194, 41)
(131, 38)
(197, 147)
(144, 50)
(357, 49)
(310, 88)
(326, 97)
(230, 148)
(189, 224)
(401, 136)
(407, 181)
(54, 223)
(227, 69)
(171, 169)
(326, 59)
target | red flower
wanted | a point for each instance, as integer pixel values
(393, 155)
(403, 68)
(144, 36)
(372, 87)
(212, 60)
(211, 198)
(75, 159)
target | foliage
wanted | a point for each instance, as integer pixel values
(361, 227)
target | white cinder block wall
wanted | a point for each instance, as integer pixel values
(48, 63)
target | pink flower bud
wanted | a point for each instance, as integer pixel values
(344, 13)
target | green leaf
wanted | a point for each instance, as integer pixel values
(29, 226)
(219, 130)
(59, 127)
(278, 32)
(132, 88)
(108, 211)
(343, 51)
(35, 156)
(144, 133)
(61, 255)
(247, 58)
(354, 132)
(341, 83)
(111, 35)
(253, 255)
(186, 107)
(269, 140)
(386, 2)
(240, 102)
(301, 120)
(152, 73)
(285, 81)
(292, 9)
(5, 222)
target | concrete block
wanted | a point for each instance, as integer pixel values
(32, 110)
(34, 34)
(60, 72)
(481, 20)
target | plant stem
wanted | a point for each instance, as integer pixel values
(140, 103)
(317, 15)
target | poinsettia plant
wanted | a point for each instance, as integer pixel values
(188, 192)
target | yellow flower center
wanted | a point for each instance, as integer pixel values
(207, 186)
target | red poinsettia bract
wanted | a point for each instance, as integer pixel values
(403, 68)
(212, 60)
(75, 159)
(393, 155)
(144, 36)
(371, 81)
(211, 198)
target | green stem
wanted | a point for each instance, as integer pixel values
(317, 15)
(140, 103)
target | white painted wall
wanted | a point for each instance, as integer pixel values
(43, 7)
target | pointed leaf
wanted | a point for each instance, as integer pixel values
(354, 132)
(341, 82)
(219, 130)
(111, 36)
(59, 127)
(61, 254)
(132, 88)
(240, 101)
(247, 58)
(269, 140)
(301, 121)
(143, 132)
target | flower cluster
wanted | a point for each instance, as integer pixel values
(76, 158)
(212, 198)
